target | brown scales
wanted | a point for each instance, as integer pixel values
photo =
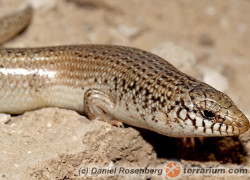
(148, 85)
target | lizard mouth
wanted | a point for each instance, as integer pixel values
(233, 127)
(237, 126)
(242, 124)
(229, 127)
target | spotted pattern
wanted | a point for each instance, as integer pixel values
(144, 86)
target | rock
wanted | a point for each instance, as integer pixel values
(176, 55)
(54, 143)
(129, 31)
(224, 23)
(43, 5)
(206, 40)
(211, 10)
(4, 118)
(181, 58)
(242, 28)
(213, 78)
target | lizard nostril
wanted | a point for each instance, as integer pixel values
(242, 124)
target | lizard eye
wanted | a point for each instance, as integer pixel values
(208, 114)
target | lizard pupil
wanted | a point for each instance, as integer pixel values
(208, 114)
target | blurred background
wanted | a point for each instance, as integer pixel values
(209, 40)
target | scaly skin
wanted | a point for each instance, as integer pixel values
(116, 83)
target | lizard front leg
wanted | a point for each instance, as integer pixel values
(99, 105)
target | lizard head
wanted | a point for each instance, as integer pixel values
(213, 113)
(198, 111)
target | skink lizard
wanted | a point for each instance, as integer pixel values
(110, 82)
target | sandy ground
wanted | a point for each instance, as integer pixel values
(209, 40)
